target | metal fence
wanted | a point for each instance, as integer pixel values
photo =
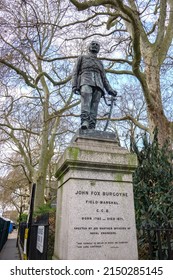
(160, 243)
(40, 238)
(38, 242)
(21, 233)
(4, 230)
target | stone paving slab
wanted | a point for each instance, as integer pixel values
(10, 251)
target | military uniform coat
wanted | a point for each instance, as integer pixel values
(89, 70)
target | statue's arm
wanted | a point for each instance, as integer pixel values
(106, 83)
(75, 74)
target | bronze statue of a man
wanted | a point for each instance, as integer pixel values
(89, 80)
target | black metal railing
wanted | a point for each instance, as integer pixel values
(33, 252)
(22, 227)
(160, 243)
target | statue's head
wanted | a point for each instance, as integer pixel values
(94, 47)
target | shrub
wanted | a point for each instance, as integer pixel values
(153, 184)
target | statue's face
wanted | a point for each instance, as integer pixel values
(94, 47)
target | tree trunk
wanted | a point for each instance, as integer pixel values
(41, 174)
(39, 194)
(155, 110)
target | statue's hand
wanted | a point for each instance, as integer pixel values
(76, 91)
(113, 93)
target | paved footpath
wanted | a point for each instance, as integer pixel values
(9, 250)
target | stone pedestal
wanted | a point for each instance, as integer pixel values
(95, 204)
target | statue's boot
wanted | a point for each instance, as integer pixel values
(85, 125)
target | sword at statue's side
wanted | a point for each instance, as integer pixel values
(111, 104)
